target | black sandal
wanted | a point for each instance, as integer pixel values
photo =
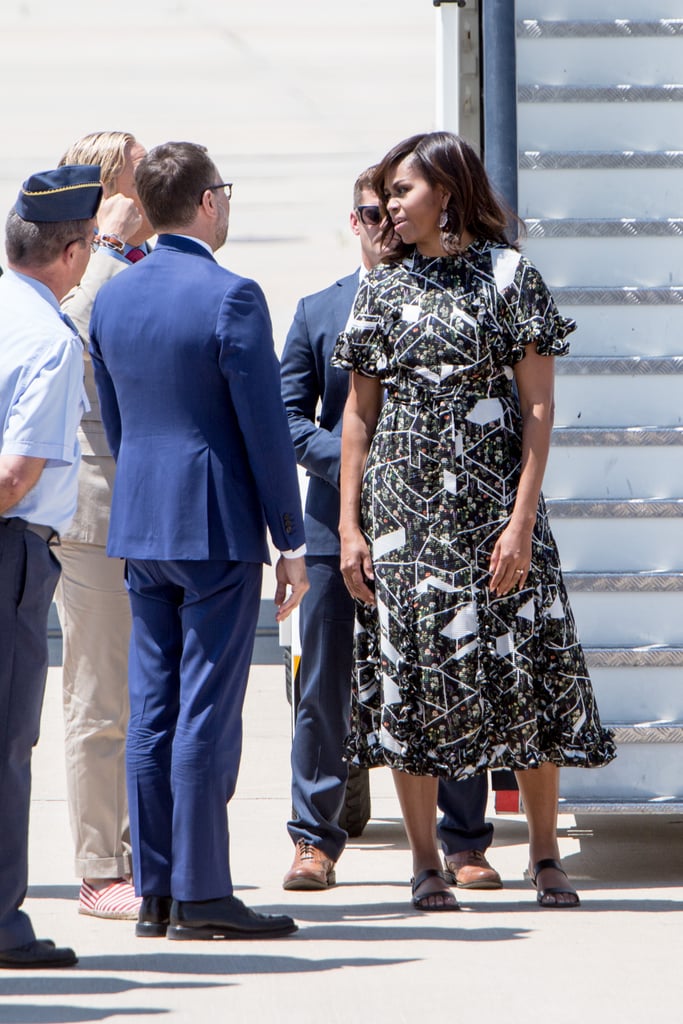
(552, 890)
(421, 902)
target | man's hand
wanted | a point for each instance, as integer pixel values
(118, 215)
(290, 571)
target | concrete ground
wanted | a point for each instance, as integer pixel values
(361, 951)
(293, 99)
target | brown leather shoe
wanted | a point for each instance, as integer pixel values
(311, 869)
(469, 869)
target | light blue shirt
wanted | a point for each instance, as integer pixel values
(122, 256)
(42, 397)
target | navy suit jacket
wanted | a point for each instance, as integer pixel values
(189, 389)
(307, 377)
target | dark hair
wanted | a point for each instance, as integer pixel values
(446, 159)
(30, 244)
(171, 180)
(362, 182)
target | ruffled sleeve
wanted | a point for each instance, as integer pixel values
(526, 310)
(363, 345)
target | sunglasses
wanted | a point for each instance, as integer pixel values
(225, 185)
(369, 215)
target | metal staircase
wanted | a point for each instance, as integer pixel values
(600, 123)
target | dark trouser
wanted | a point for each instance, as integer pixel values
(322, 716)
(28, 577)
(322, 722)
(191, 646)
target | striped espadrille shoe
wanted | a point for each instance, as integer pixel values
(117, 901)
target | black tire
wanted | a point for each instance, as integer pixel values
(356, 810)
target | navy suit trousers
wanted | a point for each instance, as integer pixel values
(322, 722)
(28, 577)
(191, 645)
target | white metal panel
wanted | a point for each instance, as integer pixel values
(626, 330)
(607, 126)
(630, 694)
(640, 771)
(614, 472)
(604, 400)
(615, 545)
(589, 10)
(599, 61)
(628, 619)
(612, 262)
(600, 193)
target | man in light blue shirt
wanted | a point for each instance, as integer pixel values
(48, 237)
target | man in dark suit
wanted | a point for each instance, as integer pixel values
(322, 716)
(188, 384)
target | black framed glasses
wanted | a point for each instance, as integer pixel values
(369, 215)
(226, 185)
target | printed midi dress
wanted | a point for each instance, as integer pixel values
(451, 679)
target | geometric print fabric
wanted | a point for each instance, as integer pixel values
(450, 679)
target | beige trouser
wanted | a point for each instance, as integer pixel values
(95, 617)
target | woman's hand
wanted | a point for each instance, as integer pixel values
(511, 559)
(356, 567)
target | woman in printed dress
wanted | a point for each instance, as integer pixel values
(466, 654)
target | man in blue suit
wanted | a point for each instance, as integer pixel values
(188, 383)
(322, 716)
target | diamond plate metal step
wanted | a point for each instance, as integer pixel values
(634, 657)
(615, 508)
(658, 805)
(626, 296)
(621, 93)
(622, 29)
(568, 437)
(593, 160)
(624, 582)
(570, 366)
(648, 732)
(624, 227)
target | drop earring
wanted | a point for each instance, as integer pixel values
(443, 219)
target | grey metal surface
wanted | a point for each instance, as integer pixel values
(634, 160)
(634, 657)
(624, 582)
(627, 296)
(615, 508)
(625, 93)
(648, 732)
(655, 806)
(499, 75)
(623, 227)
(617, 436)
(622, 29)
(569, 366)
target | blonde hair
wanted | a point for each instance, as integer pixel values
(108, 149)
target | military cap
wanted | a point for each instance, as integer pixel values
(67, 193)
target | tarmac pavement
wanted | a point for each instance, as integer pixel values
(361, 950)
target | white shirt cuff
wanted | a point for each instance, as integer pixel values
(294, 552)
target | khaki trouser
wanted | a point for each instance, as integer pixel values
(95, 617)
